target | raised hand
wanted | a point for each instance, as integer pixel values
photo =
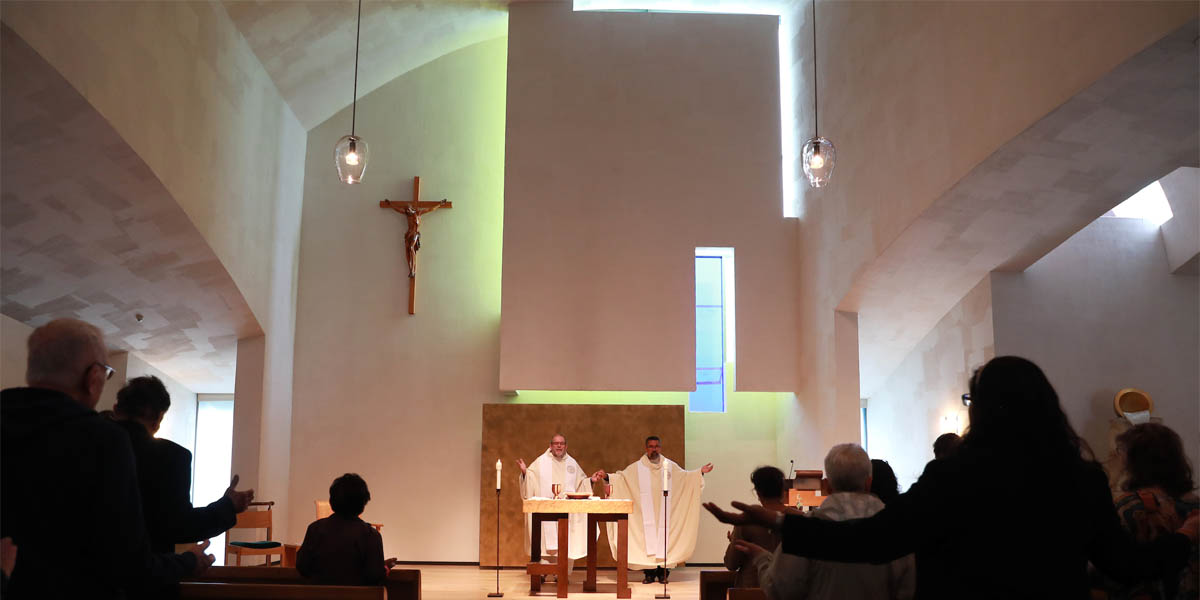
(521, 463)
(749, 513)
(203, 561)
(706, 468)
(241, 500)
(750, 549)
(1191, 527)
(598, 475)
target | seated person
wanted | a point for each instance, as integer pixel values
(342, 549)
(768, 486)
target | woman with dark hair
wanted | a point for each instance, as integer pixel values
(883, 481)
(768, 486)
(1017, 512)
(1157, 480)
(342, 549)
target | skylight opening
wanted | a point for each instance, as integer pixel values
(1149, 204)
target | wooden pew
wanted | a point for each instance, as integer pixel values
(194, 590)
(746, 594)
(715, 584)
(401, 584)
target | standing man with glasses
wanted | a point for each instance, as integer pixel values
(69, 497)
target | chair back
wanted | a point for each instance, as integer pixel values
(255, 519)
(323, 508)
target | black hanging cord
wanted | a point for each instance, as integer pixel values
(816, 114)
(354, 103)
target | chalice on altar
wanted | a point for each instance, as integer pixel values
(556, 489)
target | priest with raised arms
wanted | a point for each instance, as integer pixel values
(643, 482)
(556, 466)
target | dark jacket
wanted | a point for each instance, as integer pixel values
(341, 550)
(165, 478)
(992, 525)
(69, 499)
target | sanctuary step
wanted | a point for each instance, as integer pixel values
(401, 584)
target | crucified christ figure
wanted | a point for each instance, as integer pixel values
(412, 237)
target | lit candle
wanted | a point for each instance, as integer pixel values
(498, 467)
(666, 479)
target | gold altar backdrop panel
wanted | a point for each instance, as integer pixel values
(599, 436)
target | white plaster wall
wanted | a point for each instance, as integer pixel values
(182, 87)
(906, 415)
(13, 352)
(915, 94)
(179, 424)
(1101, 313)
(1181, 234)
(247, 410)
(632, 139)
(392, 396)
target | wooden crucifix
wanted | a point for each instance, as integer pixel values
(412, 211)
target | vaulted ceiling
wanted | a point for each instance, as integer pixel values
(89, 232)
(307, 46)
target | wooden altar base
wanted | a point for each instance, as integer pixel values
(441, 582)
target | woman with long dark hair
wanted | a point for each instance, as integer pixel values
(1158, 496)
(1017, 512)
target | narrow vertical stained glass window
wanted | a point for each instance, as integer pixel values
(710, 335)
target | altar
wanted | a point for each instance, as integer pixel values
(598, 511)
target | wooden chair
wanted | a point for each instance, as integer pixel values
(324, 510)
(255, 519)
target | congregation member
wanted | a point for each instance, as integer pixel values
(945, 445)
(973, 514)
(1159, 494)
(556, 466)
(846, 488)
(883, 481)
(165, 472)
(69, 497)
(768, 486)
(342, 549)
(642, 481)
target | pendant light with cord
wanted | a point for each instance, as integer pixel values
(350, 153)
(818, 155)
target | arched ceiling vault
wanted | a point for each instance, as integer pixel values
(307, 46)
(1132, 126)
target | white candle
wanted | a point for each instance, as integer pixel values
(498, 467)
(666, 479)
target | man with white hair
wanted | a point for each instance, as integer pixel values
(69, 494)
(846, 485)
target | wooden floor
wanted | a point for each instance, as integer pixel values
(440, 582)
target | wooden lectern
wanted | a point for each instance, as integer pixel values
(805, 488)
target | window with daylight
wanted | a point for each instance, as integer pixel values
(714, 328)
(214, 454)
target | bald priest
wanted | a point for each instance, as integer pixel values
(643, 482)
(555, 466)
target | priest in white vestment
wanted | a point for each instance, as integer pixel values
(642, 482)
(556, 466)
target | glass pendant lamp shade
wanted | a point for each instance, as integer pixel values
(351, 156)
(818, 159)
